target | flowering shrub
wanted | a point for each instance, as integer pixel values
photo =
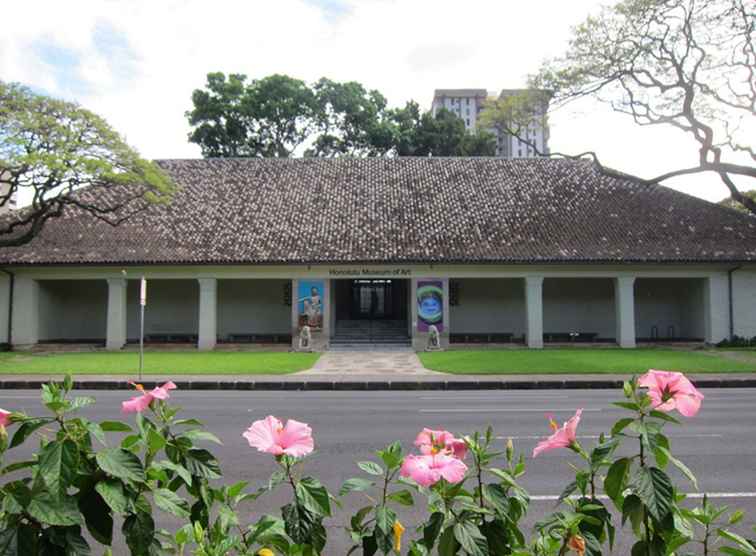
(82, 480)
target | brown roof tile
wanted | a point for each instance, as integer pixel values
(401, 210)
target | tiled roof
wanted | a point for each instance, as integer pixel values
(454, 210)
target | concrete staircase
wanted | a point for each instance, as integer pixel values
(364, 335)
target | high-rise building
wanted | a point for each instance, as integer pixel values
(467, 104)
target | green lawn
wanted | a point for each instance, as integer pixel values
(580, 361)
(162, 363)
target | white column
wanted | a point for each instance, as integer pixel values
(534, 311)
(294, 315)
(5, 303)
(446, 315)
(208, 313)
(116, 327)
(25, 325)
(716, 308)
(417, 342)
(624, 310)
(326, 299)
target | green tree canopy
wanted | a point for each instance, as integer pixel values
(50, 148)
(279, 116)
(688, 64)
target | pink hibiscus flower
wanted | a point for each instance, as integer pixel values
(433, 442)
(4, 418)
(137, 404)
(563, 437)
(271, 436)
(670, 390)
(427, 470)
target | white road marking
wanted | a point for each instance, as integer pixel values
(692, 495)
(595, 436)
(544, 410)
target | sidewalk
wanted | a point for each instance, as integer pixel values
(312, 380)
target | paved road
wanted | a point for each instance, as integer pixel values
(719, 445)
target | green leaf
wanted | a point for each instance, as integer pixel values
(654, 489)
(51, 511)
(602, 451)
(121, 464)
(473, 542)
(737, 539)
(97, 516)
(370, 467)
(355, 485)
(111, 491)
(170, 502)
(115, 426)
(432, 529)
(203, 464)
(632, 406)
(314, 496)
(82, 401)
(664, 416)
(155, 441)
(139, 530)
(680, 465)
(496, 495)
(620, 425)
(632, 508)
(179, 470)
(391, 455)
(447, 544)
(385, 519)
(196, 435)
(26, 429)
(616, 477)
(403, 497)
(57, 465)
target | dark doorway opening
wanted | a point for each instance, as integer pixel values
(371, 311)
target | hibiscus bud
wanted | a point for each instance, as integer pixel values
(510, 450)
(398, 532)
(577, 543)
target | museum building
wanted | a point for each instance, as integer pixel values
(386, 251)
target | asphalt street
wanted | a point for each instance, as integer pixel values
(719, 444)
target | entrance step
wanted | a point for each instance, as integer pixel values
(362, 334)
(401, 347)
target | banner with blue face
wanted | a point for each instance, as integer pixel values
(430, 304)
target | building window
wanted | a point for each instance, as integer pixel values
(467, 121)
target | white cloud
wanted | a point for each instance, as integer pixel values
(162, 50)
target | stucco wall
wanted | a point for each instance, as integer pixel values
(579, 305)
(252, 307)
(670, 302)
(489, 305)
(744, 302)
(172, 307)
(73, 309)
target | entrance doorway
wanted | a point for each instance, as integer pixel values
(371, 311)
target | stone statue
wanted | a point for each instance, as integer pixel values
(305, 339)
(434, 339)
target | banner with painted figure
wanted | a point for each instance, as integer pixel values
(310, 303)
(430, 304)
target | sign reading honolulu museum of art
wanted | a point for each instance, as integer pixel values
(357, 272)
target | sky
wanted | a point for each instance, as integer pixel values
(136, 62)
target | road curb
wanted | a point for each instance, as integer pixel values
(373, 385)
